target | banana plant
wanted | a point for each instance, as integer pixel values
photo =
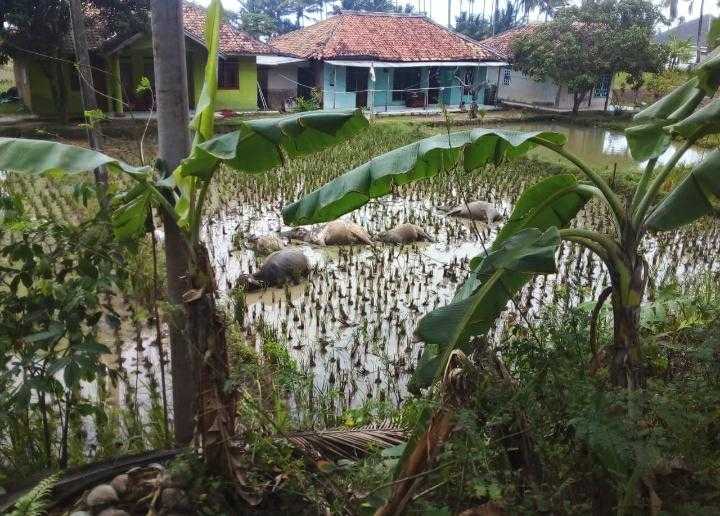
(254, 147)
(551, 202)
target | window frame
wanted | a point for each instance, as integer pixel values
(602, 88)
(223, 64)
(507, 77)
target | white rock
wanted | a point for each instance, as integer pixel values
(104, 494)
(120, 484)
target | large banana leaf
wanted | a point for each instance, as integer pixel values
(708, 73)
(696, 196)
(500, 275)
(550, 203)
(554, 201)
(419, 160)
(204, 120)
(259, 144)
(648, 139)
(701, 123)
(40, 157)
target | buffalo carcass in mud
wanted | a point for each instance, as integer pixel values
(405, 234)
(475, 210)
(289, 265)
(337, 232)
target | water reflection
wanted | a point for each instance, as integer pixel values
(600, 147)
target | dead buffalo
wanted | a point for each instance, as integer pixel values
(337, 232)
(476, 210)
(405, 234)
(288, 265)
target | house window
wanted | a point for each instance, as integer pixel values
(228, 74)
(602, 88)
(356, 79)
(507, 76)
(405, 79)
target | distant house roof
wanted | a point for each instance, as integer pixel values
(102, 36)
(501, 44)
(688, 30)
(381, 37)
(233, 41)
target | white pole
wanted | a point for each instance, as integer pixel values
(334, 83)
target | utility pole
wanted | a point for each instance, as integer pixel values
(449, 18)
(173, 116)
(87, 93)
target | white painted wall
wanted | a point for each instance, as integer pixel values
(524, 90)
(281, 84)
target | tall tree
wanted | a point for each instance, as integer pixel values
(473, 26)
(87, 91)
(265, 17)
(174, 141)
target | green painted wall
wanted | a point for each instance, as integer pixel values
(138, 55)
(41, 98)
(242, 99)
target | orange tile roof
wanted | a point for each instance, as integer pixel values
(233, 41)
(101, 34)
(500, 44)
(381, 37)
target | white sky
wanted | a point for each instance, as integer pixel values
(437, 9)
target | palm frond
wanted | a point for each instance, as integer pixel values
(348, 443)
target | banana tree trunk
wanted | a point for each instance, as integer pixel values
(206, 333)
(628, 289)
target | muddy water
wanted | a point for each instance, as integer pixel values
(601, 148)
(352, 322)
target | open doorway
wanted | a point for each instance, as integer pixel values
(357, 81)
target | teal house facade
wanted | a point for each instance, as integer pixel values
(389, 62)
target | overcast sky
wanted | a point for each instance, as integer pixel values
(437, 9)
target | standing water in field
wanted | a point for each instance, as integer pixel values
(352, 322)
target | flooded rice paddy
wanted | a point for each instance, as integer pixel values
(352, 322)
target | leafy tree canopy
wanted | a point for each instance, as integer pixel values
(583, 44)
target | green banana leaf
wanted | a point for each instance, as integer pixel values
(696, 196)
(551, 203)
(708, 73)
(42, 157)
(130, 212)
(204, 120)
(554, 201)
(502, 273)
(419, 160)
(259, 144)
(648, 139)
(701, 123)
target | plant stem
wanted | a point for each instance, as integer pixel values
(642, 186)
(606, 243)
(643, 206)
(611, 197)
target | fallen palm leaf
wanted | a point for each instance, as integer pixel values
(348, 443)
